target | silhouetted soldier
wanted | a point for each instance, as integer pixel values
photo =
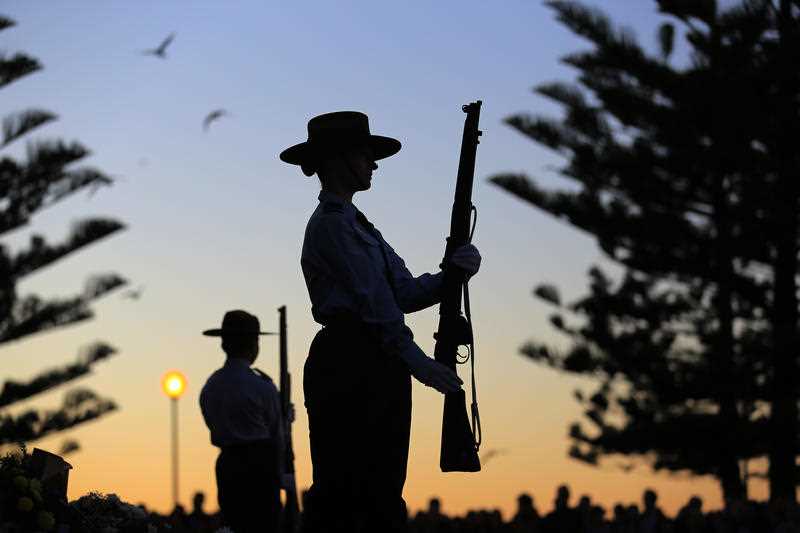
(242, 411)
(357, 376)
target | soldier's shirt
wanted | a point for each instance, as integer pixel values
(350, 270)
(239, 406)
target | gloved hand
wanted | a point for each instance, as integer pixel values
(467, 258)
(432, 373)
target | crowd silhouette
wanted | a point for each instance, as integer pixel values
(585, 516)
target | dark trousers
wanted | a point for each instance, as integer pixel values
(248, 487)
(359, 415)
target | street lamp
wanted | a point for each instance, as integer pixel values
(174, 384)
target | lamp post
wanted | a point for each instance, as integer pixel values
(174, 384)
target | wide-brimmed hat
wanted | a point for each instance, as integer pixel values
(334, 132)
(237, 323)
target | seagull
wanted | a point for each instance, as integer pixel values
(211, 117)
(161, 51)
(69, 446)
(133, 294)
(491, 454)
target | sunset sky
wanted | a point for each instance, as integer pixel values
(215, 219)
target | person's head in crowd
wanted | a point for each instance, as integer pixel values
(434, 507)
(619, 512)
(585, 503)
(197, 502)
(632, 511)
(649, 499)
(562, 497)
(597, 515)
(696, 504)
(179, 510)
(524, 502)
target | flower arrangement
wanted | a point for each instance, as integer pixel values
(24, 504)
(35, 502)
(108, 514)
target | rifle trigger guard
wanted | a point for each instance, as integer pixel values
(463, 331)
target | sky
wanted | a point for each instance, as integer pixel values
(215, 220)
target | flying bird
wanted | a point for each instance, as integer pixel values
(211, 117)
(161, 50)
(133, 294)
(69, 446)
(491, 454)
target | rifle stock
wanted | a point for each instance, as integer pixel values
(291, 509)
(459, 451)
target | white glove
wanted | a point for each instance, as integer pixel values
(434, 374)
(467, 258)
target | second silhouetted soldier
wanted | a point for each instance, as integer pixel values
(241, 408)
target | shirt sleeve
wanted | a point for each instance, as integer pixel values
(349, 260)
(412, 293)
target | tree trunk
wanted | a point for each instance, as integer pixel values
(782, 469)
(730, 477)
(722, 359)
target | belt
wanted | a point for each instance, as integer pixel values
(243, 446)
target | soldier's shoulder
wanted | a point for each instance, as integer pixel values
(329, 218)
(263, 376)
(332, 208)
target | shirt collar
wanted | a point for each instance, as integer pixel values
(236, 362)
(329, 197)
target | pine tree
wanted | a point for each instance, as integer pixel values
(781, 130)
(45, 176)
(677, 176)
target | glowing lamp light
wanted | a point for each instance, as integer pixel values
(173, 383)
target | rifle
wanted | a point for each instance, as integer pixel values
(460, 442)
(291, 509)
